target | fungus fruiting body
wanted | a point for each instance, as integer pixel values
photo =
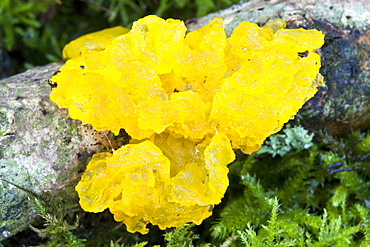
(186, 100)
(140, 184)
(92, 41)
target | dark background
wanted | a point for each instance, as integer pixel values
(34, 32)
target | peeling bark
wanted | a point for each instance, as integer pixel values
(43, 152)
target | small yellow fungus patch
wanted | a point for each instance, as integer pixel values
(140, 184)
(187, 100)
(92, 41)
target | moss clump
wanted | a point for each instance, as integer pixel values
(297, 199)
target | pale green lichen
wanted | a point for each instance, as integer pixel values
(294, 138)
(4, 123)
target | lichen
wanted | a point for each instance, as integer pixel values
(13, 197)
(291, 139)
(4, 123)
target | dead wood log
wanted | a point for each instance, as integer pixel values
(43, 152)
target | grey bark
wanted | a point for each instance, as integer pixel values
(43, 152)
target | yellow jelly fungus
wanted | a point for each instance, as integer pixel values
(186, 100)
(92, 41)
(140, 184)
(155, 78)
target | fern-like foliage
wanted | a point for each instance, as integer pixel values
(142, 244)
(56, 228)
(283, 231)
(297, 199)
(19, 18)
(182, 236)
(272, 234)
(126, 11)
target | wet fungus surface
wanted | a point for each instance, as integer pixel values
(186, 100)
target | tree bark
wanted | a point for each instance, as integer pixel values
(43, 152)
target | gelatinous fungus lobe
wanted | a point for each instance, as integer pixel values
(92, 41)
(269, 83)
(140, 184)
(186, 100)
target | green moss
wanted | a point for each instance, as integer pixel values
(56, 228)
(142, 244)
(4, 89)
(363, 147)
(4, 123)
(71, 132)
(297, 200)
(181, 236)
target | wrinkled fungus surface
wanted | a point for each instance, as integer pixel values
(186, 100)
(140, 184)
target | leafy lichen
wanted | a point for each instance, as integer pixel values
(291, 139)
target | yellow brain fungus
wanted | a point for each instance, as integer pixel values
(92, 41)
(140, 184)
(186, 100)
(270, 83)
